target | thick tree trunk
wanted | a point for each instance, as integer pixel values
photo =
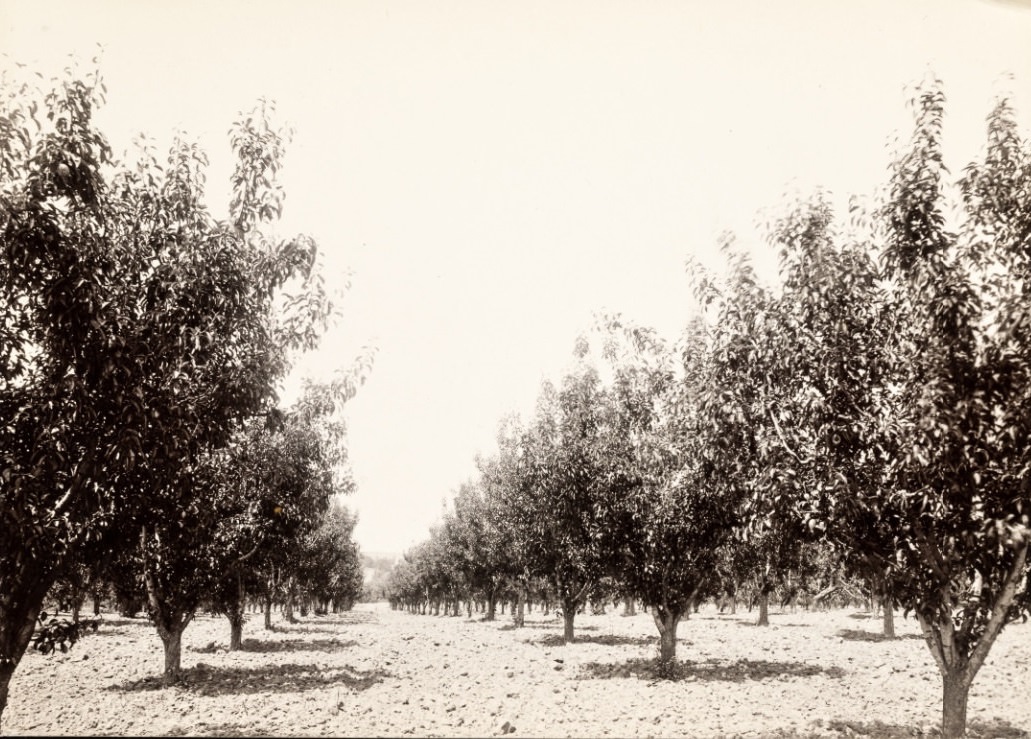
(18, 613)
(172, 639)
(170, 626)
(666, 621)
(492, 606)
(954, 705)
(959, 663)
(235, 631)
(568, 616)
(569, 607)
(267, 612)
(764, 609)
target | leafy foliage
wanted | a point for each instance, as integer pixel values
(59, 634)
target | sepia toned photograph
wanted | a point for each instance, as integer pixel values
(469, 368)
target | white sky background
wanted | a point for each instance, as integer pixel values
(491, 173)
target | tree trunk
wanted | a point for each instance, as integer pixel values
(235, 631)
(569, 607)
(21, 607)
(764, 609)
(629, 607)
(172, 639)
(888, 624)
(518, 612)
(492, 606)
(170, 625)
(954, 705)
(267, 611)
(666, 621)
(236, 614)
(288, 606)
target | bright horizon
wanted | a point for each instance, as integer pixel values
(492, 174)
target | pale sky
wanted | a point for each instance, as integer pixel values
(492, 173)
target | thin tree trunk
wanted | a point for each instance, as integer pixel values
(888, 624)
(267, 612)
(288, 606)
(518, 613)
(629, 607)
(237, 611)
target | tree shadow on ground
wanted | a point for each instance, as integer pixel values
(298, 645)
(106, 630)
(873, 636)
(353, 617)
(306, 629)
(610, 640)
(712, 670)
(546, 626)
(881, 730)
(108, 624)
(288, 645)
(860, 616)
(754, 622)
(212, 681)
(226, 729)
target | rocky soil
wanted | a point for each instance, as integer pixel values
(376, 672)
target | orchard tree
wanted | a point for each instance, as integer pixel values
(268, 492)
(558, 505)
(476, 545)
(136, 331)
(918, 378)
(667, 523)
(330, 569)
(747, 407)
(504, 543)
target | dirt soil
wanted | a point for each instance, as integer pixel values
(376, 672)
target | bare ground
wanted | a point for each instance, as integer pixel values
(376, 672)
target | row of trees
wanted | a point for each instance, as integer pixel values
(141, 344)
(876, 401)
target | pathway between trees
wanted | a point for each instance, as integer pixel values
(374, 671)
